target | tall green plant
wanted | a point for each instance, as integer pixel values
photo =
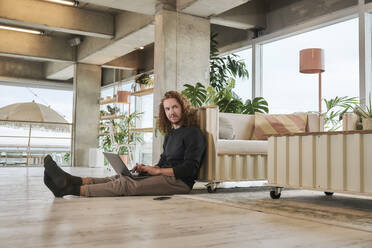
(258, 104)
(226, 99)
(335, 108)
(223, 71)
(196, 94)
(224, 67)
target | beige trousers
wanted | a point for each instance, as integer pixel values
(126, 186)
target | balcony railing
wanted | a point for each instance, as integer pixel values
(17, 153)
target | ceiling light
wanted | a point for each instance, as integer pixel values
(141, 48)
(25, 30)
(65, 2)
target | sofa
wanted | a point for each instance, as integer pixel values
(240, 158)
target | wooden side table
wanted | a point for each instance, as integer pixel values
(325, 161)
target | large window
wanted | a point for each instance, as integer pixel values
(287, 90)
(142, 153)
(15, 148)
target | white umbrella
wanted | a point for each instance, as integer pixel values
(31, 115)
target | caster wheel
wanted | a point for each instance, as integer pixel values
(211, 189)
(275, 195)
(328, 193)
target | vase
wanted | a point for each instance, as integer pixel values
(349, 121)
(367, 123)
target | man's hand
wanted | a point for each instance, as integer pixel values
(137, 168)
(151, 170)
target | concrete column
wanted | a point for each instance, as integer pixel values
(87, 87)
(182, 44)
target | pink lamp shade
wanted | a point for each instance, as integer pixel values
(312, 60)
(123, 97)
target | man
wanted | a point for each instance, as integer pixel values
(175, 173)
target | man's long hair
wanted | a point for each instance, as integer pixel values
(188, 117)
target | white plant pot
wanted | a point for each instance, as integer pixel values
(349, 121)
(367, 123)
(96, 158)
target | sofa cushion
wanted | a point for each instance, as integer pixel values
(242, 146)
(241, 123)
(226, 130)
(266, 125)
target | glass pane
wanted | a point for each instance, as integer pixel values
(144, 151)
(287, 90)
(243, 87)
(147, 109)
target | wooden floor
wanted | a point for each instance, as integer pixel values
(31, 217)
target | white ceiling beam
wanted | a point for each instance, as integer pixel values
(207, 8)
(126, 62)
(249, 15)
(31, 46)
(35, 83)
(12, 67)
(59, 71)
(43, 15)
(141, 6)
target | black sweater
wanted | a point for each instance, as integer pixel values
(183, 150)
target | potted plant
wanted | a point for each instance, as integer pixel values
(223, 71)
(335, 109)
(144, 81)
(120, 132)
(222, 68)
(365, 113)
(226, 99)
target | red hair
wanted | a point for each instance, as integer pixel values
(188, 117)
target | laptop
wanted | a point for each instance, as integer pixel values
(119, 166)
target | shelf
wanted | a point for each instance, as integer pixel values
(137, 93)
(143, 92)
(142, 130)
(106, 101)
(112, 117)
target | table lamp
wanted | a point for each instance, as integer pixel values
(312, 61)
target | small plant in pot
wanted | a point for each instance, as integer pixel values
(121, 132)
(144, 81)
(365, 113)
(335, 109)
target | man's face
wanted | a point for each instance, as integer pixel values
(173, 110)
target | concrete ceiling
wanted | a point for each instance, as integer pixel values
(43, 15)
(203, 8)
(108, 29)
